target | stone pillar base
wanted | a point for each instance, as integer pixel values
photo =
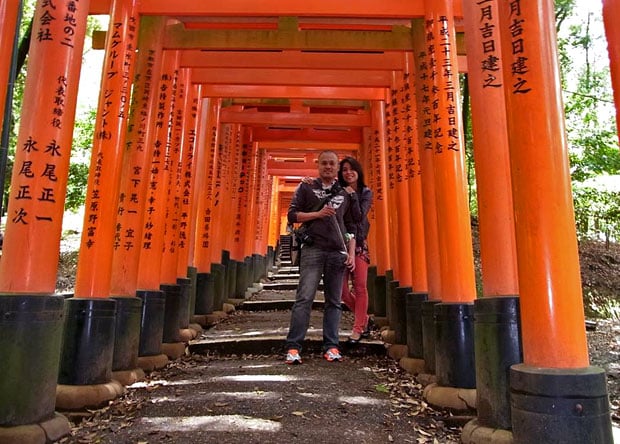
(75, 397)
(454, 398)
(186, 334)
(128, 377)
(150, 363)
(474, 433)
(388, 336)
(397, 351)
(427, 378)
(209, 320)
(173, 350)
(412, 365)
(197, 328)
(46, 431)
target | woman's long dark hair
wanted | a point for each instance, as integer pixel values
(357, 167)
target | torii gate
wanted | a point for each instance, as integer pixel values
(161, 185)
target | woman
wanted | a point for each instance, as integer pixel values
(351, 177)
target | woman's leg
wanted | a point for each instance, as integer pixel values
(360, 281)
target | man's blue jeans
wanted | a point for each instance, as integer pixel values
(315, 263)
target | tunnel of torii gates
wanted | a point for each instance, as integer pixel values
(208, 115)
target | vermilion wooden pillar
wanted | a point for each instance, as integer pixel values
(378, 163)
(453, 220)
(402, 201)
(413, 171)
(156, 206)
(220, 170)
(611, 15)
(9, 12)
(274, 218)
(391, 194)
(172, 230)
(138, 150)
(206, 161)
(94, 270)
(497, 238)
(241, 188)
(189, 154)
(424, 102)
(549, 277)
(454, 340)
(251, 224)
(263, 201)
(555, 352)
(497, 345)
(34, 216)
(32, 324)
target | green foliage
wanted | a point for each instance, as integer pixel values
(597, 213)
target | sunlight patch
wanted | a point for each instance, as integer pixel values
(253, 395)
(256, 378)
(223, 423)
(362, 400)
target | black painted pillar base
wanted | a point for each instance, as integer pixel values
(389, 302)
(399, 314)
(256, 264)
(126, 333)
(559, 405)
(31, 328)
(415, 346)
(219, 274)
(249, 266)
(242, 277)
(454, 345)
(428, 334)
(381, 296)
(205, 291)
(192, 273)
(271, 258)
(497, 338)
(172, 313)
(184, 295)
(88, 341)
(152, 322)
(372, 288)
(231, 279)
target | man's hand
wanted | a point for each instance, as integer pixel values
(326, 211)
(350, 262)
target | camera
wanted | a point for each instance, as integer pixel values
(304, 238)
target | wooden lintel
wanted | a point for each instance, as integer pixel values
(306, 135)
(281, 148)
(178, 37)
(294, 92)
(390, 61)
(249, 8)
(287, 76)
(295, 119)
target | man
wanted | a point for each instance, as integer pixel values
(325, 252)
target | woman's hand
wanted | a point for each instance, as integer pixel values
(350, 262)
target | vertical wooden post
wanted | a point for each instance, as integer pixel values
(170, 254)
(549, 278)
(9, 12)
(274, 218)
(94, 268)
(401, 187)
(41, 167)
(251, 226)
(240, 181)
(391, 194)
(424, 104)
(189, 154)
(611, 15)
(496, 221)
(154, 216)
(138, 150)
(453, 220)
(413, 171)
(555, 352)
(382, 247)
(264, 200)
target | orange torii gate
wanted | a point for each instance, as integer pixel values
(139, 208)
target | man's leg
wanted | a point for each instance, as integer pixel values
(310, 269)
(332, 285)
